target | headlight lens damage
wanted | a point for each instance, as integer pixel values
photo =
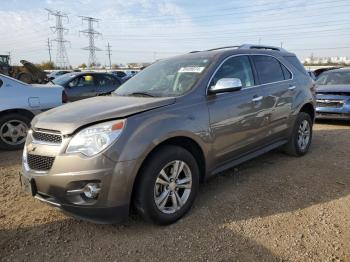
(92, 140)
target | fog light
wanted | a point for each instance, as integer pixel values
(91, 190)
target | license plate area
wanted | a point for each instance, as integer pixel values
(28, 185)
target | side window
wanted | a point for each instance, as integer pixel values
(287, 74)
(296, 63)
(268, 68)
(86, 80)
(236, 67)
(106, 80)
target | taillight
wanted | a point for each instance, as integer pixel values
(64, 97)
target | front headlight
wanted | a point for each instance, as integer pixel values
(92, 140)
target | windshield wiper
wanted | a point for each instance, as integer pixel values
(141, 94)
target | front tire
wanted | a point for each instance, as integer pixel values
(167, 186)
(301, 137)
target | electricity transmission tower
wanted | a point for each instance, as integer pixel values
(91, 33)
(109, 55)
(61, 55)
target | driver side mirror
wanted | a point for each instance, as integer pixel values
(226, 85)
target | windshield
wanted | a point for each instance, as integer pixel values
(62, 80)
(334, 78)
(172, 77)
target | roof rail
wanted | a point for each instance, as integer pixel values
(247, 46)
(224, 47)
(267, 47)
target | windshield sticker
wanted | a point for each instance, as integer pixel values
(192, 69)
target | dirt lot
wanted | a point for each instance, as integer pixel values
(274, 208)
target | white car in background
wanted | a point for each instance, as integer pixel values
(19, 103)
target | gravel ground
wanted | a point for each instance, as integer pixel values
(273, 208)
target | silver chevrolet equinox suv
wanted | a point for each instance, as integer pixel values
(179, 121)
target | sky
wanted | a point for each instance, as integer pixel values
(146, 30)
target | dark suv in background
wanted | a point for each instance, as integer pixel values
(169, 127)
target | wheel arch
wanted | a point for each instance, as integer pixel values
(20, 111)
(182, 141)
(309, 109)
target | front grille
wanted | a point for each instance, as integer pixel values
(329, 103)
(40, 163)
(334, 93)
(47, 137)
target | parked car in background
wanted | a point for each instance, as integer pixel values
(122, 75)
(80, 85)
(318, 72)
(19, 103)
(56, 74)
(174, 124)
(333, 94)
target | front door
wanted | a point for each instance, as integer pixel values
(236, 122)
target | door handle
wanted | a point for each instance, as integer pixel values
(257, 99)
(291, 88)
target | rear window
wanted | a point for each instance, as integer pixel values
(296, 63)
(268, 68)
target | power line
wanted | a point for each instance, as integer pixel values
(91, 33)
(61, 55)
(109, 55)
(238, 12)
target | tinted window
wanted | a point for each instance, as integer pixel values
(86, 80)
(268, 68)
(296, 63)
(106, 80)
(236, 67)
(120, 74)
(287, 74)
(0, 83)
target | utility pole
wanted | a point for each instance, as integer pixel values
(49, 48)
(9, 52)
(91, 33)
(61, 55)
(109, 55)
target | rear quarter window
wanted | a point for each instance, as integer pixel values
(269, 69)
(296, 63)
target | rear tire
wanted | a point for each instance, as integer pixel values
(301, 137)
(162, 197)
(13, 131)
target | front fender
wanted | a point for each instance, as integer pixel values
(146, 131)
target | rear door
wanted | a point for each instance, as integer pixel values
(235, 119)
(82, 86)
(277, 86)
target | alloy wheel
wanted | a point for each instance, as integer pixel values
(173, 187)
(13, 132)
(304, 132)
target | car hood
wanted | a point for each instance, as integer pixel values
(71, 116)
(333, 89)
